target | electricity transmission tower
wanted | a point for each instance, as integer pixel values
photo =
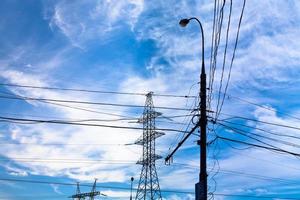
(148, 184)
(91, 195)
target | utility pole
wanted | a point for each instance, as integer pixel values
(148, 184)
(201, 186)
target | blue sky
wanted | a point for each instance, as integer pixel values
(138, 46)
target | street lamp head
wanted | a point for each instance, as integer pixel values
(184, 22)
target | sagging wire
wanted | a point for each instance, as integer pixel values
(216, 151)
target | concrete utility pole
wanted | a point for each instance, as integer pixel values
(201, 187)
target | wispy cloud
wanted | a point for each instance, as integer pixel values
(267, 59)
(86, 21)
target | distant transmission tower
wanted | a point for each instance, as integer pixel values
(91, 195)
(148, 184)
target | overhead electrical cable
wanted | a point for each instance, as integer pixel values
(128, 120)
(68, 106)
(216, 16)
(260, 121)
(262, 130)
(60, 144)
(251, 137)
(127, 188)
(66, 119)
(186, 119)
(260, 106)
(224, 57)
(278, 164)
(15, 120)
(219, 21)
(93, 91)
(260, 146)
(68, 160)
(84, 185)
(92, 111)
(250, 175)
(89, 102)
(233, 55)
(121, 162)
(212, 41)
(261, 136)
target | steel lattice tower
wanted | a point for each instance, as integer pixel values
(148, 184)
(91, 195)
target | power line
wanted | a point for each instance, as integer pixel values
(224, 56)
(66, 160)
(58, 144)
(125, 118)
(94, 111)
(129, 118)
(212, 56)
(212, 41)
(186, 129)
(259, 105)
(16, 120)
(260, 146)
(55, 160)
(260, 121)
(88, 102)
(233, 55)
(121, 162)
(68, 106)
(245, 133)
(253, 138)
(126, 188)
(85, 185)
(262, 130)
(94, 91)
(267, 161)
(175, 116)
(253, 196)
(36, 196)
(218, 31)
(255, 176)
(89, 110)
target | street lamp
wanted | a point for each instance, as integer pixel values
(132, 179)
(184, 23)
(201, 187)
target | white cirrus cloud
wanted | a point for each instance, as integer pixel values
(83, 21)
